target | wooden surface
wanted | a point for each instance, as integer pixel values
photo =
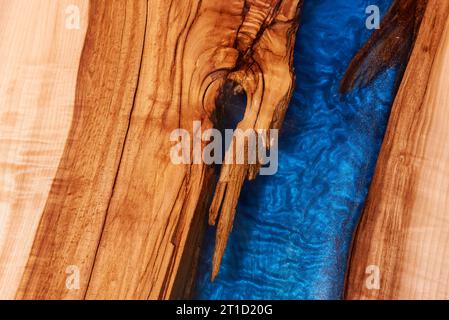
(86, 117)
(404, 231)
(266, 39)
(38, 72)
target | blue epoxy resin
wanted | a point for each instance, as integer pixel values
(293, 230)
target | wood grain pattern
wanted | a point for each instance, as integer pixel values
(405, 225)
(267, 78)
(389, 46)
(38, 71)
(72, 222)
(116, 207)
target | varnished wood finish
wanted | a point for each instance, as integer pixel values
(72, 222)
(266, 43)
(110, 201)
(39, 58)
(405, 226)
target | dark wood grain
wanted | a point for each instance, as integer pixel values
(119, 210)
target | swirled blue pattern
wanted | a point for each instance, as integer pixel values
(293, 230)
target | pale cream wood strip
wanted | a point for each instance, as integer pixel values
(426, 264)
(38, 72)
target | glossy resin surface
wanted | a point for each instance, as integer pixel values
(293, 231)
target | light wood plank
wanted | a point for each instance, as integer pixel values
(405, 226)
(38, 71)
